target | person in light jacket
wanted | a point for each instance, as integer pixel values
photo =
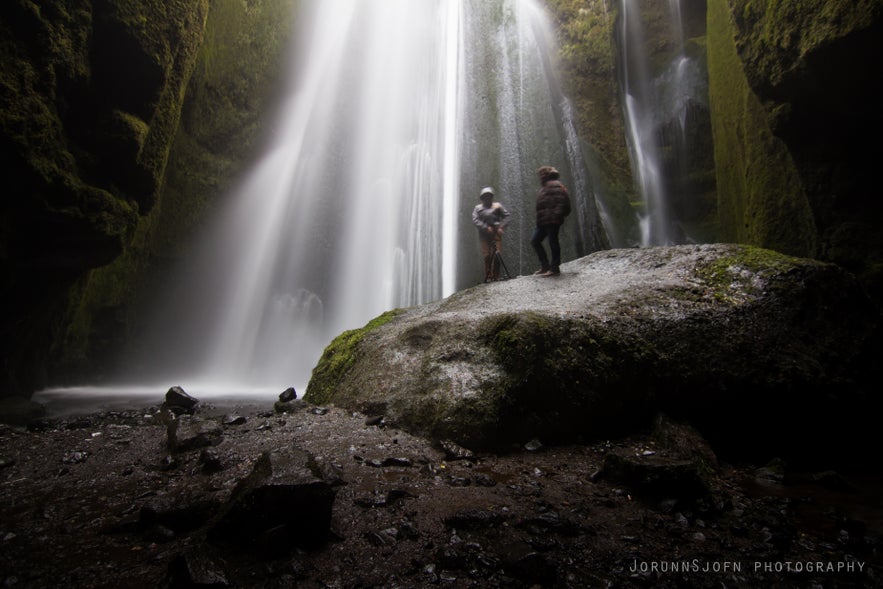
(490, 217)
(553, 205)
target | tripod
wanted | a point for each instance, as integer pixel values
(498, 262)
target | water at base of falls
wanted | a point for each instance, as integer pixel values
(398, 112)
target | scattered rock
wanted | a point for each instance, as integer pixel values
(193, 570)
(454, 451)
(542, 524)
(282, 498)
(188, 433)
(774, 471)
(233, 419)
(654, 476)
(533, 445)
(682, 440)
(397, 461)
(289, 406)
(210, 460)
(75, 457)
(474, 519)
(178, 512)
(179, 402)
(831, 479)
(287, 395)
(528, 565)
(550, 522)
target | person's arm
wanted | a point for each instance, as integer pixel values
(503, 215)
(477, 220)
(565, 205)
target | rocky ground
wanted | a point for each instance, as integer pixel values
(101, 501)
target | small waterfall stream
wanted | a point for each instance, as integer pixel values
(656, 106)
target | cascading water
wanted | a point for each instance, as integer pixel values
(656, 107)
(392, 124)
(346, 215)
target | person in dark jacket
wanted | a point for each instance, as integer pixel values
(553, 205)
(490, 217)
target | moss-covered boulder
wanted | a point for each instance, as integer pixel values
(734, 338)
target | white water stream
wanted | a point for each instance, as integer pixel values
(651, 101)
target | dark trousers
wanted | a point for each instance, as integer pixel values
(541, 233)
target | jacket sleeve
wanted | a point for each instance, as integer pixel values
(476, 219)
(503, 216)
(565, 202)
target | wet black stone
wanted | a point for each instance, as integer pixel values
(191, 570)
(654, 477)
(475, 519)
(287, 395)
(210, 460)
(178, 401)
(233, 419)
(187, 433)
(282, 490)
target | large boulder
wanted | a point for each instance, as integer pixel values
(737, 339)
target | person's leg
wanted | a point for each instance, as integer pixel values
(487, 252)
(555, 247)
(536, 241)
(495, 267)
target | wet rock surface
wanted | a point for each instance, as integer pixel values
(721, 335)
(394, 510)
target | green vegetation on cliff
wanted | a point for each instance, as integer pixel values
(585, 31)
(761, 198)
(585, 38)
(233, 75)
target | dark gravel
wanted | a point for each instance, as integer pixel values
(98, 501)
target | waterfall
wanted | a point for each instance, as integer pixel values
(349, 213)
(396, 114)
(656, 106)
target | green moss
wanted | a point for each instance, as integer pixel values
(207, 122)
(588, 71)
(518, 340)
(761, 199)
(731, 278)
(339, 357)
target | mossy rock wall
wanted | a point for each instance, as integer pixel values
(761, 196)
(121, 123)
(230, 94)
(90, 99)
(587, 61)
(792, 86)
